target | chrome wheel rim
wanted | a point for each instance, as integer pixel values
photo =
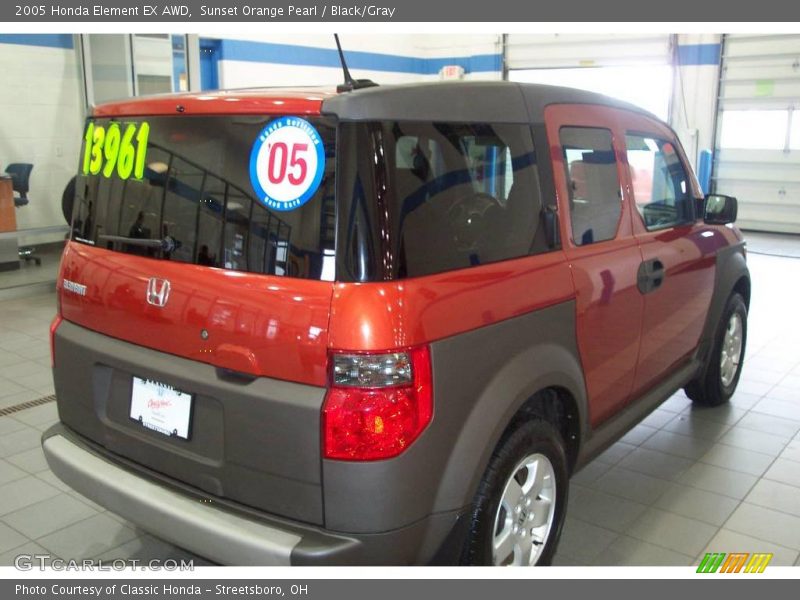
(731, 354)
(526, 513)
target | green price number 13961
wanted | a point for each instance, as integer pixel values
(110, 149)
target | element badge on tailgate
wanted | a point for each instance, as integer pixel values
(75, 288)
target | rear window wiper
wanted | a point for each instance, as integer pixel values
(168, 244)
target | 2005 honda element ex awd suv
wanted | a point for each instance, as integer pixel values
(379, 326)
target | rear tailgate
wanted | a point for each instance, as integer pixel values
(254, 437)
(252, 324)
(232, 312)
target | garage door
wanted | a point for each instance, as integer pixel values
(603, 63)
(758, 131)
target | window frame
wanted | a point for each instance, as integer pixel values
(687, 172)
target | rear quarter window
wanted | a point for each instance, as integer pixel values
(425, 198)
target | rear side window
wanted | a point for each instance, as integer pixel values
(427, 197)
(660, 185)
(595, 203)
(179, 188)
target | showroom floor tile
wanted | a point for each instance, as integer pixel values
(701, 505)
(687, 481)
(727, 539)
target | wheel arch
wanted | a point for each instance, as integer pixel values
(732, 275)
(557, 406)
(742, 286)
(545, 382)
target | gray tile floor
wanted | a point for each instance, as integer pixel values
(685, 481)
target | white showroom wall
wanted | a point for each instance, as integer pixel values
(391, 58)
(41, 121)
(42, 111)
(674, 76)
(694, 93)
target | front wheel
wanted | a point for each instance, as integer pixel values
(718, 381)
(521, 501)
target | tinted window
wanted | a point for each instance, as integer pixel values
(660, 186)
(594, 192)
(195, 190)
(430, 197)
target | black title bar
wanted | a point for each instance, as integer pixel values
(496, 11)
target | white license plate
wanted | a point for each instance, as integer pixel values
(161, 408)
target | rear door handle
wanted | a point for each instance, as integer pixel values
(234, 376)
(651, 275)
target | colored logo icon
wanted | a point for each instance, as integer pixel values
(734, 562)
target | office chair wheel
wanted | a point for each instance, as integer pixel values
(28, 253)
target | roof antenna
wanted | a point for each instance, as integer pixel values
(349, 84)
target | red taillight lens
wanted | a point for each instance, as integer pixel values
(377, 405)
(53, 326)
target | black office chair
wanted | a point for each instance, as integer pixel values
(20, 174)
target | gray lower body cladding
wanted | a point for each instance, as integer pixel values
(220, 530)
(255, 442)
(731, 266)
(255, 446)
(481, 379)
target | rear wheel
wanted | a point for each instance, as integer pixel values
(521, 501)
(720, 377)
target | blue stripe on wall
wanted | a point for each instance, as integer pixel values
(287, 54)
(699, 54)
(45, 40)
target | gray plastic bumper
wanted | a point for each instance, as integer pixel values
(214, 533)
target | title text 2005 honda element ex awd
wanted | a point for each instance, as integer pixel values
(383, 325)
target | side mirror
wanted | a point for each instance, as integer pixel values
(720, 210)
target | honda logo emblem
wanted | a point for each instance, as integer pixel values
(157, 291)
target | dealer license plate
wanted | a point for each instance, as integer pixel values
(161, 408)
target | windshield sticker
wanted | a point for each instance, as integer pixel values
(287, 163)
(119, 148)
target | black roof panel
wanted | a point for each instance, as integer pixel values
(491, 101)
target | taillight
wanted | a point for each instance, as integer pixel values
(53, 326)
(377, 404)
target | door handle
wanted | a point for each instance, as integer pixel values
(657, 273)
(650, 276)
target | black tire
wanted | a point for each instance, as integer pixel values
(709, 389)
(68, 200)
(530, 438)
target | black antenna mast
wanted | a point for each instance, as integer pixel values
(349, 84)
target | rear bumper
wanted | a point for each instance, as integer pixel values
(209, 531)
(219, 531)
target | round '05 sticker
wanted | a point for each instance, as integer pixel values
(287, 163)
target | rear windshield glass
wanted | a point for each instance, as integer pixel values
(192, 189)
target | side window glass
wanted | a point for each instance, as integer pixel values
(490, 166)
(467, 194)
(595, 203)
(660, 184)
